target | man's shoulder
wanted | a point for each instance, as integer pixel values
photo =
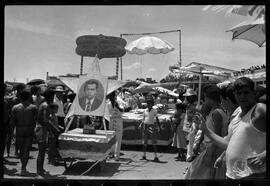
(261, 106)
(17, 106)
(43, 105)
(260, 109)
(154, 110)
(33, 106)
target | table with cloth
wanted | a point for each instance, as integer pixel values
(132, 135)
(88, 146)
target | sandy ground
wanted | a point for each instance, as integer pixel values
(130, 167)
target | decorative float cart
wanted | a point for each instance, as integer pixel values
(89, 144)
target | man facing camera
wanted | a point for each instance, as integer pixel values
(90, 101)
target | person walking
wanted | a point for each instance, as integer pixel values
(23, 117)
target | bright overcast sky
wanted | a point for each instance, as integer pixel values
(40, 39)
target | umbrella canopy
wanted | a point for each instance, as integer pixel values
(149, 44)
(144, 89)
(53, 83)
(243, 10)
(36, 82)
(253, 31)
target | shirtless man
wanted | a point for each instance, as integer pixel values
(23, 117)
(245, 143)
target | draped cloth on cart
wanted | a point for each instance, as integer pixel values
(88, 146)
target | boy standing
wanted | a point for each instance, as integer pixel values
(54, 131)
(150, 127)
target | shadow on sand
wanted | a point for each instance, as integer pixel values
(160, 148)
(106, 170)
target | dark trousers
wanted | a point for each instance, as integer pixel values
(61, 122)
(41, 155)
(52, 149)
(24, 144)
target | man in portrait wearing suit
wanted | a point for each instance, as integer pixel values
(90, 101)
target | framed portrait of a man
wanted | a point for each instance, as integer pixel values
(91, 94)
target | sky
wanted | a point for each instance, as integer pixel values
(40, 39)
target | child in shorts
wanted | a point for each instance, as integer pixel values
(150, 126)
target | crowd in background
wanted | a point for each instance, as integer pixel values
(250, 70)
(203, 132)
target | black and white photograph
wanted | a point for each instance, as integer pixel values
(134, 92)
(91, 95)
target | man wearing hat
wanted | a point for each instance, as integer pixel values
(150, 127)
(191, 101)
(58, 99)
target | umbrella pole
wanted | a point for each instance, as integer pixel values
(141, 66)
(81, 70)
(200, 87)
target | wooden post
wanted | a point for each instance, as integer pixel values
(200, 87)
(81, 70)
(117, 67)
(180, 60)
(121, 64)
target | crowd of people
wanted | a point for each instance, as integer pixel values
(233, 123)
(223, 136)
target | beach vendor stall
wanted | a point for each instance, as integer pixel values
(132, 134)
(87, 143)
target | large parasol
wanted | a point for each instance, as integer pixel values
(250, 30)
(150, 45)
(36, 82)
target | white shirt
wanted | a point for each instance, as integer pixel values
(149, 117)
(246, 141)
(60, 104)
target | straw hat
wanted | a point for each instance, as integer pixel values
(190, 92)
